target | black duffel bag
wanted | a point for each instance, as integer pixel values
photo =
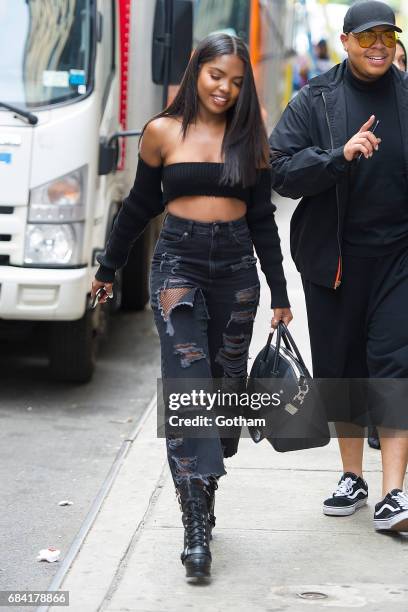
(298, 420)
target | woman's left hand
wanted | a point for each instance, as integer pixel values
(281, 314)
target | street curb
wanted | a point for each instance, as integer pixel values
(93, 552)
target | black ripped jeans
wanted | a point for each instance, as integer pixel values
(204, 290)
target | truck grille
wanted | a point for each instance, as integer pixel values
(12, 224)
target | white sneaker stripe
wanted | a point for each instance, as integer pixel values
(386, 506)
(356, 493)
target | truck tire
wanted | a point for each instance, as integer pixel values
(73, 347)
(135, 279)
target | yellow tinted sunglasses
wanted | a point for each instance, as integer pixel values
(367, 38)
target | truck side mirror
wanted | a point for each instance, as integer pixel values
(108, 156)
(172, 32)
(109, 151)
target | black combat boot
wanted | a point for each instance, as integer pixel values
(194, 502)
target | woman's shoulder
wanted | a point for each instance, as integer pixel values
(156, 136)
(159, 127)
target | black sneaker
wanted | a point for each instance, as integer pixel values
(392, 511)
(351, 494)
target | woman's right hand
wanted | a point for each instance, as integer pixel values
(97, 285)
(281, 314)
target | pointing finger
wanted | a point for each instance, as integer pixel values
(366, 126)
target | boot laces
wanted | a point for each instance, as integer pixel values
(194, 519)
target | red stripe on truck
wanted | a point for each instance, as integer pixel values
(124, 26)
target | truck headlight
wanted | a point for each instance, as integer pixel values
(53, 244)
(60, 200)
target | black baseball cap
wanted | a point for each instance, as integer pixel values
(365, 15)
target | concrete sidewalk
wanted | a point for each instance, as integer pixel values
(271, 540)
(270, 543)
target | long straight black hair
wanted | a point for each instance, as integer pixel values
(245, 143)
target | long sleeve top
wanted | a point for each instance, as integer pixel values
(147, 200)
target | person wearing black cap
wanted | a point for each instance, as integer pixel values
(349, 241)
(400, 61)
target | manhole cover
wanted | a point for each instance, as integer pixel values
(312, 595)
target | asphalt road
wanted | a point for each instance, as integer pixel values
(58, 441)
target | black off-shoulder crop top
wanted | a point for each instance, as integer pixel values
(198, 179)
(147, 200)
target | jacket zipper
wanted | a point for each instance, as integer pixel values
(337, 281)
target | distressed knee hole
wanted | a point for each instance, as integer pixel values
(248, 298)
(189, 353)
(178, 294)
(233, 355)
(247, 315)
(174, 443)
(185, 470)
(249, 295)
(169, 298)
(184, 466)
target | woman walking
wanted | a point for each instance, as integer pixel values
(206, 159)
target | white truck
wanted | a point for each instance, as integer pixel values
(74, 74)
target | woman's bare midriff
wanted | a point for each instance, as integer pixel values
(207, 209)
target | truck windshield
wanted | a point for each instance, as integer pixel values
(45, 51)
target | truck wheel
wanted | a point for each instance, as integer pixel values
(73, 347)
(135, 280)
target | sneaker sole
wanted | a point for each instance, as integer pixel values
(344, 511)
(395, 523)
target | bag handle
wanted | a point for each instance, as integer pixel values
(264, 355)
(277, 348)
(282, 333)
(290, 344)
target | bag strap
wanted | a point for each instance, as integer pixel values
(288, 339)
(282, 334)
(267, 346)
(277, 350)
(264, 356)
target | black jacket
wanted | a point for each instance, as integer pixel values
(308, 162)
